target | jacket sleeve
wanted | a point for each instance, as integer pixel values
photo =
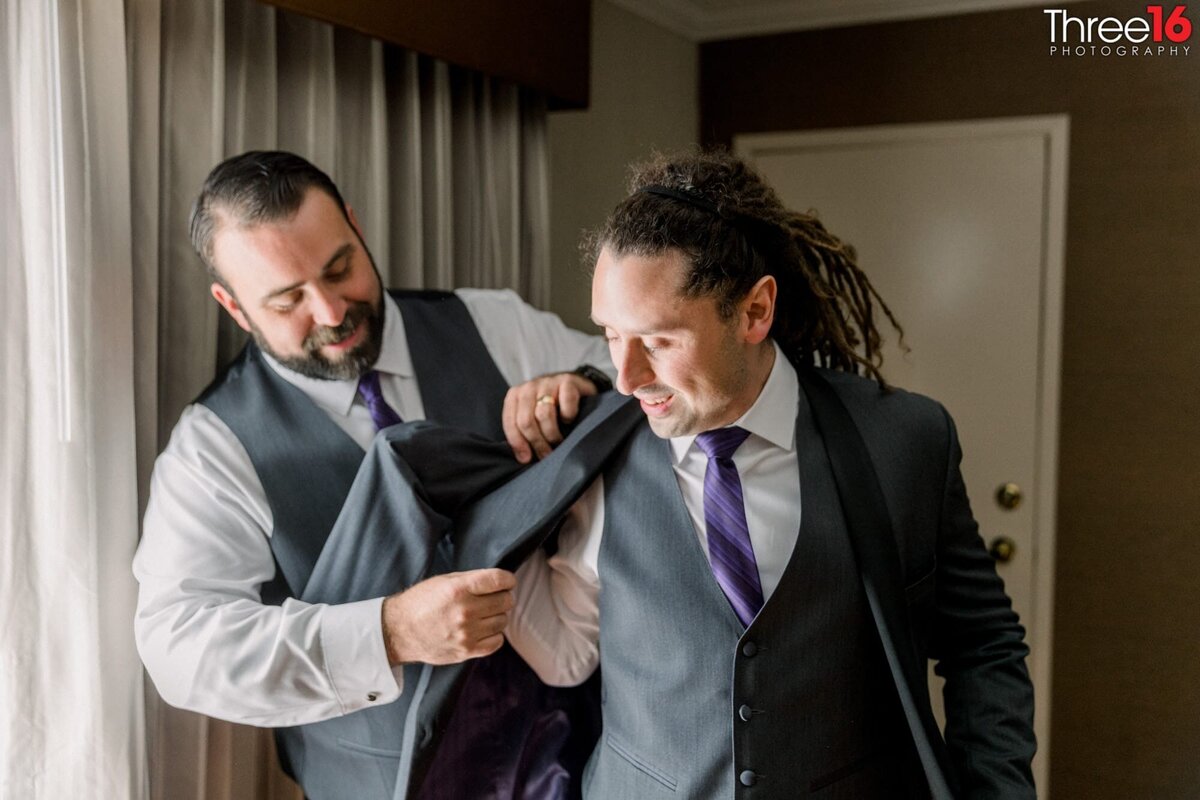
(979, 647)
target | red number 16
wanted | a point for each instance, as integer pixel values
(1178, 27)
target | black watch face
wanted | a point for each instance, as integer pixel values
(597, 377)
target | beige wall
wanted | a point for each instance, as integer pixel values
(643, 96)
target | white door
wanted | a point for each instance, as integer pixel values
(959, 226)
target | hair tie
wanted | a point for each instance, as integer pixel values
(754, 229)
(683, 196)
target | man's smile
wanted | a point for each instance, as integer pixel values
(656, 406)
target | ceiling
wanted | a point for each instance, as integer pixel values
(705, 20)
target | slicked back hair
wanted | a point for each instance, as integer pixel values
(732, 229)
(251, 188)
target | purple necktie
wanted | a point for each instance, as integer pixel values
(382, 414)
(729, 548)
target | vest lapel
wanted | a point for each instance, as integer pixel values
(654, 452)
(458, 379)
(270, 416)
(820, 515)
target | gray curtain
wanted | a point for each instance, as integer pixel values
(446, 171)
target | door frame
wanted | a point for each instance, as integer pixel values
(1055, 132)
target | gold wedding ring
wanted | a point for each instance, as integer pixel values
(545, 399)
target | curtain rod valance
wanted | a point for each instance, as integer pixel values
(541, 44)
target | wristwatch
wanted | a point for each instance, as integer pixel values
(598, 378)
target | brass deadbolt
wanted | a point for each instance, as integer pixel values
(1009, 496)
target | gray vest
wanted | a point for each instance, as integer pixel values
(801, 703)
(307, 464)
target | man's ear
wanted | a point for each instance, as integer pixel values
(354, 222)
(758, 309)
(230, 304)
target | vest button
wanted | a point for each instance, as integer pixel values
(749, 649)
(745, 712)
(748, 778)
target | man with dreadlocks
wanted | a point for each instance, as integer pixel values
(767, 567)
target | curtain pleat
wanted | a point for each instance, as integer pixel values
(445, 169)
(437, 173)
(532, 176)
(191, 141)
(406, 192)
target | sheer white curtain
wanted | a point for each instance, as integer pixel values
(70, 680)
(445, 169)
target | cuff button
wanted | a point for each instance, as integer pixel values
(372, 696)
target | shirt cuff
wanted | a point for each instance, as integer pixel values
(355, 659)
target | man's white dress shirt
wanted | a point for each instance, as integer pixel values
(206, 638)
(556, 624)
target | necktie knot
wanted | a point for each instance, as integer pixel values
(722, 442)
(382, 414)
(368, 385)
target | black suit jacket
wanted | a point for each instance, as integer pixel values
(933, 589)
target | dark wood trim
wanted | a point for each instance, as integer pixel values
(540, 44)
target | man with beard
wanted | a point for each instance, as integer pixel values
(257, 468)
(769, 564)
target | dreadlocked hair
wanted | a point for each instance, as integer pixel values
(733, 229)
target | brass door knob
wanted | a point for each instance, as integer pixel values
(1003, 549)
(1008, 496)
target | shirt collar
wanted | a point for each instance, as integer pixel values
(337, 397)
(772, 416)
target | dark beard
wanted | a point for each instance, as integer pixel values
(314, 364)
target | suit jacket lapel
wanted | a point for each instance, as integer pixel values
(874, 545)
(505, 526)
